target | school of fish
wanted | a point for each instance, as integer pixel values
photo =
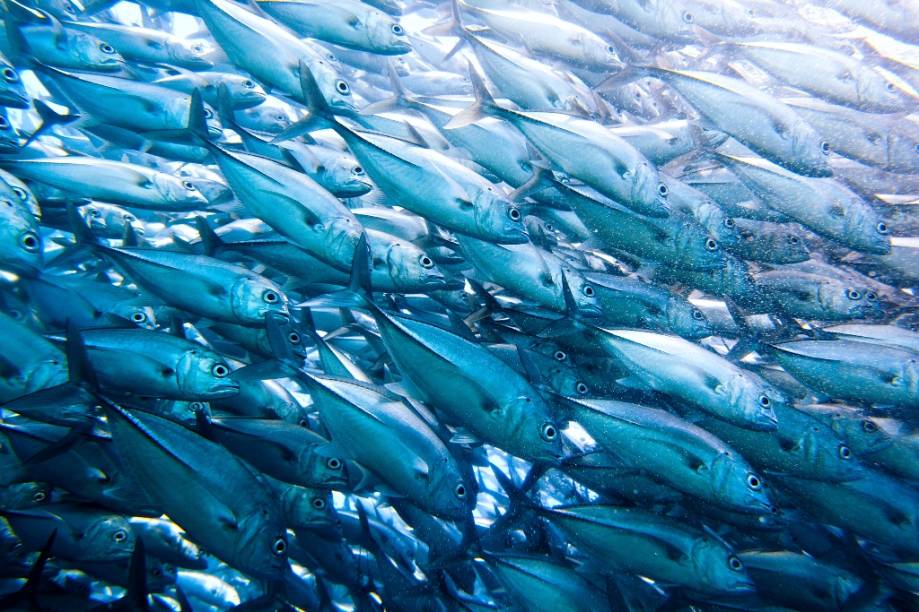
(459, 305)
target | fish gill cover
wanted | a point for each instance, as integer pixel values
(467, 305)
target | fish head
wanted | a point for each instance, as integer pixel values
(137, 312)
(46, 373)
(498, 218)
(907, 377)
(202, 374)
(346, 177)
(20, 243)
(410, 268)
(214, 191)
(740, 484)
(93, 53)
(700, 247)
(109, 538)
(386, 34)
(214, 128)
(686, 320)
(268, 118)
(450, 495)
(160, 575)
(341, 236)
(336, 90)
(244, 92)
(756, 400)
(191, 54)
(308, 508)
(648, 192)
(811, 152)
(253, 297)
(20, 190)
(9, 135)
(851, 300)
(879, 91)
(720, 569)
(260, 542)
(585, 294)
(323, 467)
(537, 437)
(864, 229)
(179, 192)
(12, 91)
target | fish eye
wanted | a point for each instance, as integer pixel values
(106, 48)
(197, 48)
(844, 452)
(735, 563)
(729, 222)
(825, 147)
(753, 482)
(793, 239)
(196, 406)
(39, 496)
(514, 213)
(318, 503)
(663, 190)
(889, 86)
(279, 546)
(549, 432)
(882, 228)
(869, 426)
(23, 195)
(120, 535)
(270, 297)
(29, 241)
(697, 314)
(710, 244)
(189, 186)
(560, 355)
(588, 291)
(10, 75)
(208, 114)
(94, 212)
(128, 218)
(610, 49)
(342, 87)
(871, 296)
(853, 294)
(249, 84)
(581, 388)
(397, 29)
(357, 170)
(460, 491)
(333, 463)
(138, 317)
(550, 227)
(426, 262)
(687, 17)
(293, 338)
(764, 401)
(220, 370)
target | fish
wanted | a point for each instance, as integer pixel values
(458, 304)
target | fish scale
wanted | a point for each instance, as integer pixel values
(458, 304)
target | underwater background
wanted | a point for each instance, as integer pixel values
(459, 305)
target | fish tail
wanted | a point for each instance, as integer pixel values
(483, 105)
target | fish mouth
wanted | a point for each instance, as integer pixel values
(227, 388)
(17, 100)
(764, 422)
(398, 47)
(451, 284)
